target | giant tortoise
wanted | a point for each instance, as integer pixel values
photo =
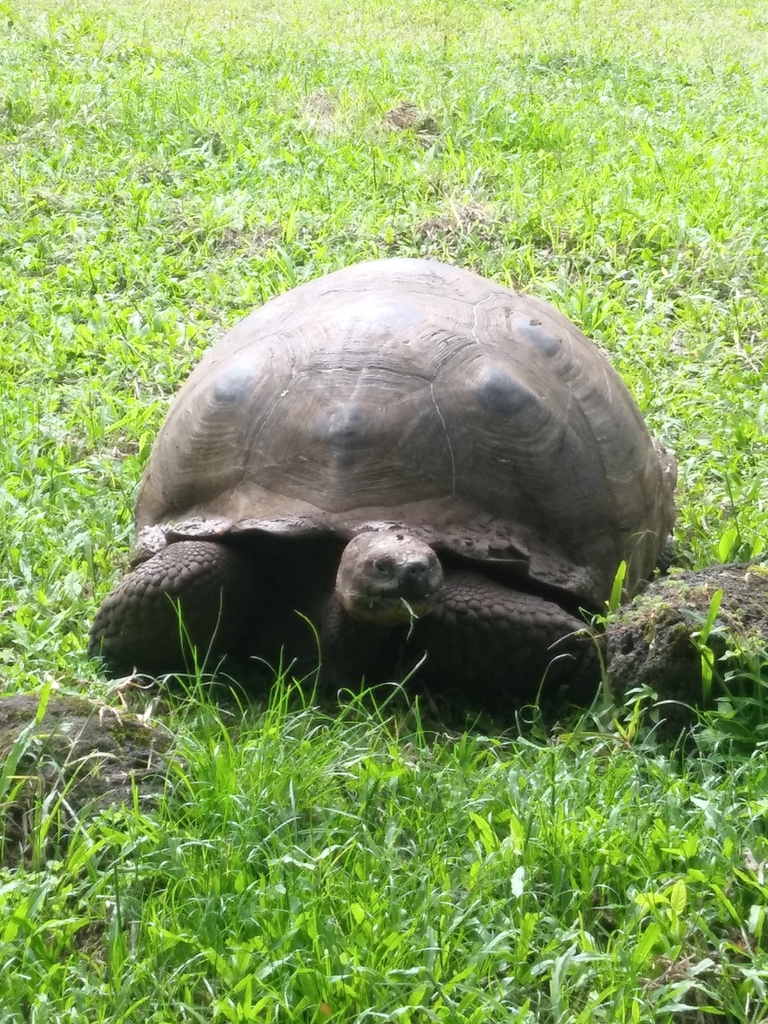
(401, 463)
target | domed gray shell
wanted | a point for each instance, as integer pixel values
(409, 394)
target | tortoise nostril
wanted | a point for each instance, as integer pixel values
(417, 570)
(383, 566)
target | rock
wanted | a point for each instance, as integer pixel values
(651, 643)
(80, 758)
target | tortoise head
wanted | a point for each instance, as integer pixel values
(388, 578)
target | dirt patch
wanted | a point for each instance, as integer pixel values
(251, 241)
(406, 116)
(461, 218)
(321, 108)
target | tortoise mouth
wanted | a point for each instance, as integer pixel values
(388, 578)
(389, 611)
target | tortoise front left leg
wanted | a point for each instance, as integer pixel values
(504, 647)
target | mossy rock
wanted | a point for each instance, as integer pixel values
(81, 757)
(651, 642)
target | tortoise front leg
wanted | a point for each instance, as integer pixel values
(504, 646)
(191, 603)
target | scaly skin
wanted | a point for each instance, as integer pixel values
(481, 637)
(503, 643)
(137, 625)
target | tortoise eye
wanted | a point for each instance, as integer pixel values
(383, 566)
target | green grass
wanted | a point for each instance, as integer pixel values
(304, 864)
(164, 167)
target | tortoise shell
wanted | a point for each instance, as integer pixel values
(409, 394)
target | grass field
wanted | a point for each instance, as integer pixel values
(166, 166)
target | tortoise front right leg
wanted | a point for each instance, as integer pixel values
(194, 594)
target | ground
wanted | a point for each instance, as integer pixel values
(167, 166)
